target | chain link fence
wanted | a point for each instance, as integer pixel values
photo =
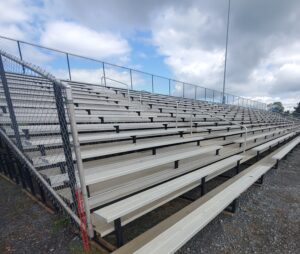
(38, 135)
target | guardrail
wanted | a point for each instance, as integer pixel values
(55, 107)
(140, 80)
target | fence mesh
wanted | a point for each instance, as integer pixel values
(34, 116)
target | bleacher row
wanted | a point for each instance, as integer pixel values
(140, 153)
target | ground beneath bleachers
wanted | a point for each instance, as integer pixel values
(26, 227)
(267, 220)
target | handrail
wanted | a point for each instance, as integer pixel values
(191, 121)
(233, 123)
(68, 89)
(259, 105)
(177, 103)
(33, 68)
(128, 93)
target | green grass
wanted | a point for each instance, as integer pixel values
(76, 248)
(60, 223)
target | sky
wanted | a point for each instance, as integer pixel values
(184, 40)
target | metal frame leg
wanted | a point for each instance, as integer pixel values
(203, 189)
(118, 232)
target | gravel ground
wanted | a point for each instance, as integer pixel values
(26, 227)
(267, 220)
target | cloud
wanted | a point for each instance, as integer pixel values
(263, 53)
(184, 47)
(78, 39)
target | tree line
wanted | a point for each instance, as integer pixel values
(279, 108)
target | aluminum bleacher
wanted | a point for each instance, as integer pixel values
(129, 152)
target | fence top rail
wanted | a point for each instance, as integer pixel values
(123, 67)
(34, 68)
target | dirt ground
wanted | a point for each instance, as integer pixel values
(267, 220)
(26, 227)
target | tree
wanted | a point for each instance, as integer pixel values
(276, 107)
(297, 110)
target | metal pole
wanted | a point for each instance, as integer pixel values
(152, 83)
(21, 57)
(130, 71)
(10, 105)
(14, 122)
(225, 63)
(176, 113)
(69, 69)
(141, 100)
(74, 132)
(195, 92)
(103, 69)
(169, 87)
(59, 100)
(191, 121)
(182, 90)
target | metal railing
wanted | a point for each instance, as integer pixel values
(46, 104)
(103, 78)
(140, 80)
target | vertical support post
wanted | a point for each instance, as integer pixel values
(20, 54)
(238, 167)
(103, 70)
(118, 232)
(205, 94)
(152, 83)
(131, 86)
(177, 113)
(169, 87)
(74, 132)
(191, 121)
(183, 90)
(14, 122)
(195, 92)
(10, 105)
(203, 189)
(69, 69)
(59, 100)
(226, 46)
(213, 95)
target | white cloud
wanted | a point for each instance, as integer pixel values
(13, 11)
(177, 35)
(263, 60)
(75, 38)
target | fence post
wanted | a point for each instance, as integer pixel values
(131, 79)
(10, 105)
(152, 83)
(65, 136)
(103, 69)
(14, 121)
(69, 69)
(20, 54)
(74, 132)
